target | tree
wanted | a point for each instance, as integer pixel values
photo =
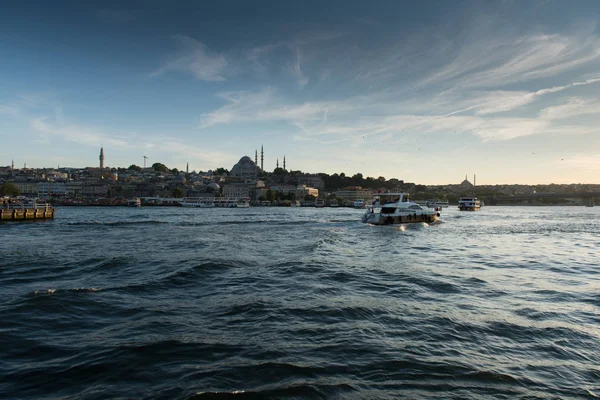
(134, 167)
(221, 171)
(8, 189)
(174, 171)
(158, 167)
(270, 195)
(178, 192)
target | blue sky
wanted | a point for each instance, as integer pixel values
(421, 91)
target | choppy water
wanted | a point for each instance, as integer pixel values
(300, 303)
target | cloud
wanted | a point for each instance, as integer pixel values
(296, 70)
(166, 146)
(265, 105)
(492, 62)
(10, 110)
(194, 58)
(574, 107)
(77, 134)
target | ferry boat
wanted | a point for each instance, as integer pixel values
(359, 204)
(469, 204)
(396, 208)
(243, 203)
(320, 203)
(201, 202)
(135, 202)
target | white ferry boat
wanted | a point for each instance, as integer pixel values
(359, 204)
(396, 208)
(200, 202)
(244, 202)
(469, 204)
(135, 202)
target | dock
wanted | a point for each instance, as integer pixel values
(22, 212)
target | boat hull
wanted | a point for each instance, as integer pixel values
(379, 219)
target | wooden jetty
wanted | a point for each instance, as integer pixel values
(22, 212)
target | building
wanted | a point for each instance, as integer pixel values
(47, 190)
(314, 181)
(238, 190)
(245, 169)
(352, 193)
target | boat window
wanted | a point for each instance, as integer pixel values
(415, 207)
(388, 210)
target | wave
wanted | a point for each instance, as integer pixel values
(117, 223)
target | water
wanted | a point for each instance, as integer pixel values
(179, 303)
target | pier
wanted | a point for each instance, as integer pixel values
(22, 212)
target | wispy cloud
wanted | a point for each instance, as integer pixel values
(266, 105)
(77, 133)
(10, 110)
(296, 70)
(493, 62)
(574, 107)
(194, 57)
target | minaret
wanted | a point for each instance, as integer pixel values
(101, 157)
(262, 158)
(12, 166)
(256, 157)
(187, 168)
(277, 162)
(474, 179)
(284, 162)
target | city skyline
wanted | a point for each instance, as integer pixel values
(423, 93)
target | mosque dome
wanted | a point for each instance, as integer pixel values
(245, 168)
(214, 186)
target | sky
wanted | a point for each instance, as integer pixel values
(424, 91)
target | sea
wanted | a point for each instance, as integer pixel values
(300, 303)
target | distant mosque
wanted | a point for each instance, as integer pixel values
(248, 169)
(466, 184)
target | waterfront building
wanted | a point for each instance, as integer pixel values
(51, 189)
(352, 193)
(27, 189)
(238, 189)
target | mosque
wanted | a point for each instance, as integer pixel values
(248, 169)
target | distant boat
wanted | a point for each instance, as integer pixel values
(243, 203)
(333, 203)
(200, 202)
(295, 204)
(135, 202)
(469, 204)
(359, 204)
(320, 203)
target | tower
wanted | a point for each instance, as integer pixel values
(101, 157)
(12, 166)
(474, 179)
(284, 162)
(256, 157)
(187, 168)
(277, 162)
(262, 158)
